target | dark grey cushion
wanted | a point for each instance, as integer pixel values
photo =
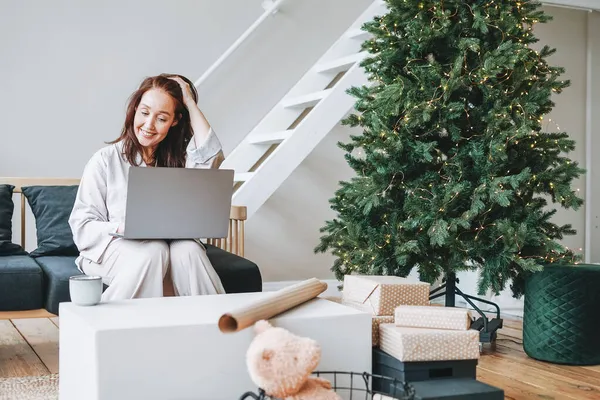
(237, 274)
(7, 247)
(21, 284)
(57, 270)
(51, 206)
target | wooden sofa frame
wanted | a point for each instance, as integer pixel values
(234, 242)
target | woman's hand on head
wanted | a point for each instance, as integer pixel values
(188, 97)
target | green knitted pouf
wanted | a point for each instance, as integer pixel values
(561, 320)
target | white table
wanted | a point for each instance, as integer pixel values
(171, 348)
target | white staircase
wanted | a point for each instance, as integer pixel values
(294, 127)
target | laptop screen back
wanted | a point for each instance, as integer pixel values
(178, 203)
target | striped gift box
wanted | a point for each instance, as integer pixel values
(450, 318)
(418, 344)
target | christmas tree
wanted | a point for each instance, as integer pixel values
(454, 170)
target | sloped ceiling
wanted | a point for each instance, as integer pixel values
(586, 4)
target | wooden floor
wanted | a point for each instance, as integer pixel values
(30, 347)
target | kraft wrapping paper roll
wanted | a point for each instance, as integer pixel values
(278, 302)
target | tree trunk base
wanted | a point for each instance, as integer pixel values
(487, 327)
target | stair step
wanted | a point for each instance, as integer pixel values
(341, 64)
(311, 109)
(243, 176)
(357, 34)
(271, 137)
(307, 100)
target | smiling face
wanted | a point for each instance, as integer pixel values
(154, 116)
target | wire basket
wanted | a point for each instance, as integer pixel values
(355, 386)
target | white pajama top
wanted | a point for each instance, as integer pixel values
(100, 202)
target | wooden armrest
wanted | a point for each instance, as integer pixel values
(239, 213)
(234, 242)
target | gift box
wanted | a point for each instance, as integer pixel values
(377, 320)
(433, 317)
(380, 295)
(446, 389)
(418, 344)
(456, 389)
(385, 364)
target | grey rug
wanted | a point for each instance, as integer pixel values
(43, 387)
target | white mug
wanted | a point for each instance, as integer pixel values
(85, 290)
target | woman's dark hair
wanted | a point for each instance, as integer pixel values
(171, 151)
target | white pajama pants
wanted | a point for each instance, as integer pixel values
(137, 268)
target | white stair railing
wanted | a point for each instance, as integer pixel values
(271, 7)
(268, 155)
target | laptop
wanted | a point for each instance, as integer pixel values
(177, 203)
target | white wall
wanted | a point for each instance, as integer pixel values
(67, 68)
(594, 129)
(568, 34)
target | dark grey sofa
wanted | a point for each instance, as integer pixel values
(40, 279)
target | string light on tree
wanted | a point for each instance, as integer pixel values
(459, 165)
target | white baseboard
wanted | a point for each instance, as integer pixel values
(332, 285)
(332, 290)
(504, 312)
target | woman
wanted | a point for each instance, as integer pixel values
(164, 128)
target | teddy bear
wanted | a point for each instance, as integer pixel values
(281, 363)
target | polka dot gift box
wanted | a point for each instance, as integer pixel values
(380, 295)
(433, 317)
(418, 344)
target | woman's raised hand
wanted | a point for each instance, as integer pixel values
(188, 98)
